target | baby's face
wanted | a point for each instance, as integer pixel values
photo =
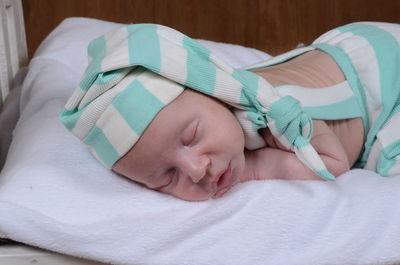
(193, 149)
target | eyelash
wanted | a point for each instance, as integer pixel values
(193, 135)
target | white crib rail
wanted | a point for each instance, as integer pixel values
(13, 49)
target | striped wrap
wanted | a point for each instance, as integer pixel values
(138, 69)
(368, 54)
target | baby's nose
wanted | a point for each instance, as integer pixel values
(196, 167)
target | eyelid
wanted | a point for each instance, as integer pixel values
(192, 133)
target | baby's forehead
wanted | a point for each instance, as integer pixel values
(177, 115)
(169, 122)
(182, 110)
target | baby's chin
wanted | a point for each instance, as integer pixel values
(193, 194)
(193, 198)
(221, 193)
(205, 195)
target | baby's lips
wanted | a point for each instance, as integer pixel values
(221, 193)
(226, 178)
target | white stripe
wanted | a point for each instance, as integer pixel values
(74, 100)
(117, 51)
(162, 88)
(96, 90)
(310, 158)
(373, 156)
(389, 133)
(253, 139)
(395, 170)
(281, 137)
(170, 34)
(98, 106)
(221, 64)
(313, 97)
(227, 88)
(333, 37)
(280, 58)
(365, 63)
(266, 93)
(174, 64)
(123, 137)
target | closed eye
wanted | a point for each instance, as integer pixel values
(190, 132)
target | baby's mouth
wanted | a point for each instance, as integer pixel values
(224, 182)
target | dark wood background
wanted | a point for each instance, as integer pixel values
(271, 25)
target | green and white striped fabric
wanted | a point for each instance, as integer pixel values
(368, 53)
(138, 69)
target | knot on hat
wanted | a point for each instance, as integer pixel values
(290, 121)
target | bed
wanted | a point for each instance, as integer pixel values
(59, 206)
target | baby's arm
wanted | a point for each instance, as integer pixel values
(276, 162)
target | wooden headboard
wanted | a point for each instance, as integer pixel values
(270, 25)
(273, 26)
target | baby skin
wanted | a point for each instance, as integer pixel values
(194, 147)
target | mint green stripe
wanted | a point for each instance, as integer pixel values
(144, 46)
(325, 174)
(288, 117)
(385, 47)
(301, 142)
(70, 117)
(248, 94)
(345, 109)
(97, 47)
(248, 97)
(395, 109)
(201, 73)
(387, 158)
(97, 51)
(387, 53)
(249, 82)
(106, 77)
(345, 64)
(138, 106)
(104, 149)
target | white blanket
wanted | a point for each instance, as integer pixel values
(54, 195)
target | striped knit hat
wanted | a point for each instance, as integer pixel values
(138, 69)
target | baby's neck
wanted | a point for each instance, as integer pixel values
(312, 69)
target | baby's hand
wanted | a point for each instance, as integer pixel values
(277, 162)
(258, 165)
(271, 140)
(273, 163)
(264, 163)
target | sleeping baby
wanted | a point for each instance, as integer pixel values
(160, 109)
